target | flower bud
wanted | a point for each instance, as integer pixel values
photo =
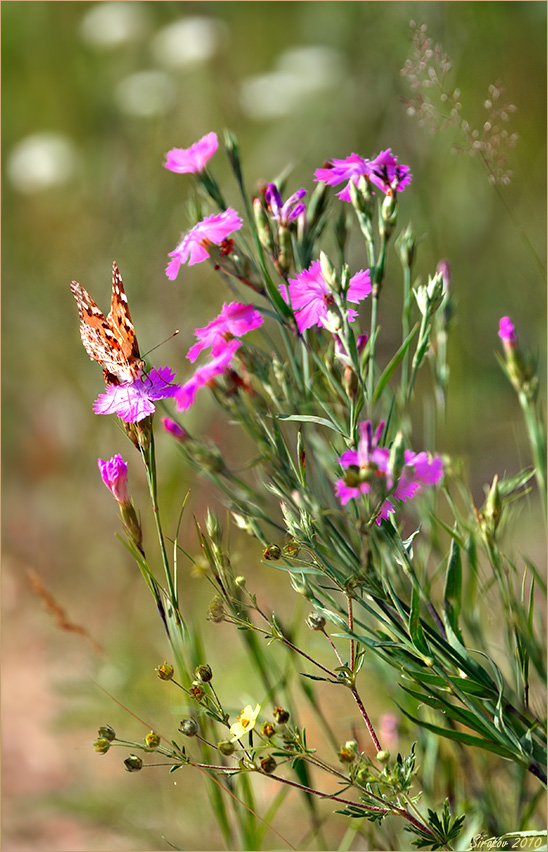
(268, 764)
(383, 756)
(189, 727)
(389, 213)
(216, 610)
(315, 621)
(239, 581)
(396, 459)
(101, 745)
(174, 429)
(328, 272)
(165, 671)
(292, 549)
(226, 747)
(263, 226)
(114, 475)
(406, 245)
(133, 763)
(152, 739)
(346, 754)
(196, 690)
(285, 258)
(272, 553)
(203, 673)
(107, 732)
(492, 508)
(281, 716)
(268, 729)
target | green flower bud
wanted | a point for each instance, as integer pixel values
(315, 621)
(226, 747)
(203, 673)
(268, 764)
(272, 553)
(216, 610)
(406, 245)
(328, 272)
(165, 671)
(133, 763)
(263, 226)
(280, 715)
(101, 745)
(196, 690)
(268, 729)
(107, 732)
(152, 740)
(292, 549)
(189, 727)
(383, 756)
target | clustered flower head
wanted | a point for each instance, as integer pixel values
(193, 159)
(193, 248)
(311, 296)
(384, 171)
(133, 401)
(369, 470)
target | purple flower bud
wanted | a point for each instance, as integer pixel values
(114, 474)
(507, 332)
(174, 429)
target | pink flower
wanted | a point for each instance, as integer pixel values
(186, 394)
(383, 171)
(132, 401)
(311, 296)
(371, 471)
(507, 332)
(193, 247)
(192, 159)
(349, 169)
(387, 174)
(114, 475)
(234, 320)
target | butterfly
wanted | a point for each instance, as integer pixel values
(110, 340)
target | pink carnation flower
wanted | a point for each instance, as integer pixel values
(234, 320)
(192, 159)
(371, 468)
(311, 296)
(132, 401)
(193, 246)
(384, 171)
(114, 475)
(186, 394)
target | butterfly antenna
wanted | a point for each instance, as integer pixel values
(162, 343)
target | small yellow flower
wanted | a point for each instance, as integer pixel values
(244, 722)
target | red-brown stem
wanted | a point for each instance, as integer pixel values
(351, 627)
(366, 719)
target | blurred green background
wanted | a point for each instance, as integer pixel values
(94, 94)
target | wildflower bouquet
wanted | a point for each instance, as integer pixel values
(379, 538)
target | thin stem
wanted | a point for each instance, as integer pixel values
(366, 718)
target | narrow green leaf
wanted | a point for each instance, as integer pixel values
(392, 366)
(310, 418)
(415, 627)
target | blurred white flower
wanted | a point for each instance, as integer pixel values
(109, 24)
(188, 41)
(299, 72)
(145, 93)
(40, 161)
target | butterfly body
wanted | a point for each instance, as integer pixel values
(110, 340)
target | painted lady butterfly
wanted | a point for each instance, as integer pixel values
(110, 340)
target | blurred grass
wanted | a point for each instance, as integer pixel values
(120, 204)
